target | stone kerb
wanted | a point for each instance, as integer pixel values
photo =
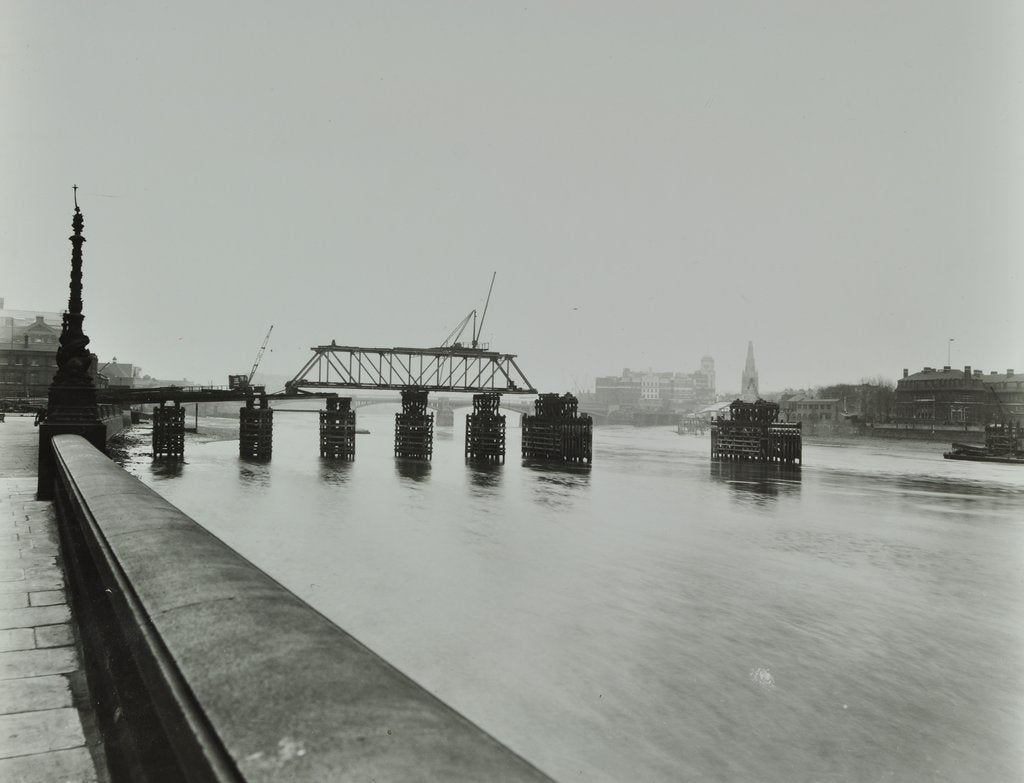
(244, 678)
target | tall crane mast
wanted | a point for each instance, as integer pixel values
(478, 332)
(259, 355)
(245, 381)
(453, 337)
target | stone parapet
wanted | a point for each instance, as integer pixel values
(211, 670)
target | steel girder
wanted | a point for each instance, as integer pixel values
(434, 369)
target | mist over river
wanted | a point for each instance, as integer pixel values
(659, 618)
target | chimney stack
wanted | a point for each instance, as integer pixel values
(906, 372)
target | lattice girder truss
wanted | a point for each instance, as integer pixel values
(434, 369)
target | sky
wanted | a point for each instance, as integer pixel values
(839, 183)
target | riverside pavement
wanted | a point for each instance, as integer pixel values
(47, 726)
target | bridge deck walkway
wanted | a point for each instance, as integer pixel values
(47, 726)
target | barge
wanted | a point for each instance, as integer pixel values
(1002, 444)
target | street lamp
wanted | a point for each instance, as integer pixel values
(71, 404)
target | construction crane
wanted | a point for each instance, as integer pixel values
(452, 340)
(243, 381)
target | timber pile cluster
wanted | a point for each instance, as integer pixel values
(754, 433)
(414, 426)
(1003, 439)
(485, 429)
(256, 429)
(169, 432)
(338, 429)
(558, 432)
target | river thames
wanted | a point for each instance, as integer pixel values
(658, 618)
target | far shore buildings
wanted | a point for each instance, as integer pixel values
(650, 392)
(28, 352)
(802, 407)
(28, 359)
(947, 398)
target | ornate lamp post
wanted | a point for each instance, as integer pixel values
(71, 407)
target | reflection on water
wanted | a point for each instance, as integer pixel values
(557, 486)
(484, 479)
(254, 473)
(412, 469)
(335, 471)
(166, 468)
(757, 482)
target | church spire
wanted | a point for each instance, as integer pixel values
(750, 391)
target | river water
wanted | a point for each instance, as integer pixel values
(658, 618)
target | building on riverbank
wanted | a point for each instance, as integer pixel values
(28, 352)
(657, 392)
(946, 397)
(805, 408)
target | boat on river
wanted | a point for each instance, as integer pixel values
(1002, 444)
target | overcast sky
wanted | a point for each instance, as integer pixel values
(840, 183)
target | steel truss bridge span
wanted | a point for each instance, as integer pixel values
(455, 369)
(435, 403)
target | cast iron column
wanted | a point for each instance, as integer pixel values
(71, 407)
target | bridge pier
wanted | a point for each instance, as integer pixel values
(256, 429)
(753, 433)
(414, 427)
(168, 432)
(338, 429)
(557, 432)
(485, 430)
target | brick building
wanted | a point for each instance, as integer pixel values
(1009, 389)
(28, 353)
(947, 397)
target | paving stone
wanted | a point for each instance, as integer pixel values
(41, 550)
(26, 557)
(39, 530)
(41, 734)
(34, 663)
(63, 766)
(34, 615)
(10, 559)
(31, 572)
(54, 636)
(46, 598)
(17, 639)
(13, 600)
(32, 585)
(29, 694)
(37, 732)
